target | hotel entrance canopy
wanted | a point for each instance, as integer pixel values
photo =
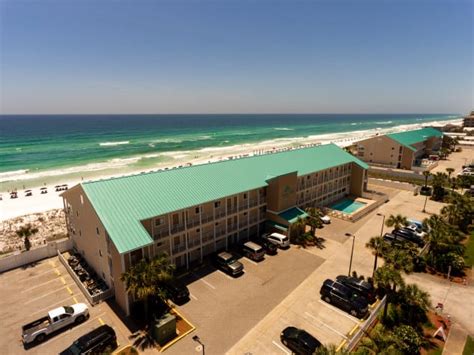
(293, 214)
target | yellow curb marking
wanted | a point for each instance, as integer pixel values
(354, 329)
(63, 281)
(120, 349)
(341, 345)
(69, 290)
(101, 321)
(57, 272)
(193, 328)
(75, 299)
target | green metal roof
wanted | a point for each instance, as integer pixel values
(293, 214)
(409, 138)
(121, 203)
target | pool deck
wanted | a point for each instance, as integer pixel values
(368, 206)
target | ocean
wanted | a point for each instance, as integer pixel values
(46, 149)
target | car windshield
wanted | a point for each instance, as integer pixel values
(68, 309)
(74, 349)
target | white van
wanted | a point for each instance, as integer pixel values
(278, 239)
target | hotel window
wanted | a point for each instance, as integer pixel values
(100, 253)
(97, 230)
(400, 150)
(159, 221)
(77, 213)
(177, 241)
(197, 210)
(198, 230)
(217, 204)
(245, 196)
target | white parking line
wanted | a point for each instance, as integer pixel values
(325, 325)
(224, 274)
(352, 318)
(28, 278)
(208, 284)
(44, 283)
(47, 294)
(253, 262)
(281, 347)
(193, 297)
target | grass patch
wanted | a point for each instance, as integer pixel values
(469, 346)
(469, 253)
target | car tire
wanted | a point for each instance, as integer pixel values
(327, 299)
(80, 319)
(40, 338)
(285, 342)
(353, 312)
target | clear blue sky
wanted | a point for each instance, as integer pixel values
(144, 56)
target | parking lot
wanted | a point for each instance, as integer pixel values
(224, 308)
(29, 293)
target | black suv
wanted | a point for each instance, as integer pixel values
(299, 341)
(269, 247)
(99, 341)
(176, 291)
(344, 298)
(408, 235)
(228, 262)
(361, 287)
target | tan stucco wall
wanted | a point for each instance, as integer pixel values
(407, 159)
(357, 180)
(380, 150)
(120, 293)
(85, 222)
(281, 192)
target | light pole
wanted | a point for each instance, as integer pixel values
(424, 206)
(201, 344)
(352, 251)
(377, 246)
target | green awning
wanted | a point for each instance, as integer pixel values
(293, 214)
(277, 226)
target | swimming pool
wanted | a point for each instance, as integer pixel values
(347, 205)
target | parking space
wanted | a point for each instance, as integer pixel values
(224, 308)
(29, 293)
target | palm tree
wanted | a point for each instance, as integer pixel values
(396, 221)
(142, 280)
(313, 219)
(378, 341)
(426, 174)
(388, 278)
(330, 350)
(449, 171)
(414, 303)
(26, 231)
(379, 246)
(438, 183)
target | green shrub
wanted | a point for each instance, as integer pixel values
(407, 339)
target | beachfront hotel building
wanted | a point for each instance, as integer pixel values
(403, 150)
(191, 212)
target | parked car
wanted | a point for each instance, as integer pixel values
(409, 236)
(392, 238)
(56, 319)
(228, 263)
(344, 298)
(416, 230)
(253, 251)
(325, 219)
(361, 287)
(280, 240)
(269, 247)
(177, 291)
(101, 340)
(299, 341)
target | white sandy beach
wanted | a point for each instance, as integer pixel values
(10, 208)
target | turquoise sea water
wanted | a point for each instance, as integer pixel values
(347, 205)
(38, 149)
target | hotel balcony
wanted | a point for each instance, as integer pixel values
(232, 227)
(207, 218)
(253, 220)
(161, 233)
(207, 236)
(244, 207)
(232, 210)
(179, 248)
(220, 232)
(253, 203)
(193, 222)
(175, 228)
(194, 242)
(220, 213)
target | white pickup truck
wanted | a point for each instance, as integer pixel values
(56, 319)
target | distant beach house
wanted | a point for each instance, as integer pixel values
(468, 121)
(404, 150)
(192, 212)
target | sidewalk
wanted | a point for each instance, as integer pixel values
(456, 340)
